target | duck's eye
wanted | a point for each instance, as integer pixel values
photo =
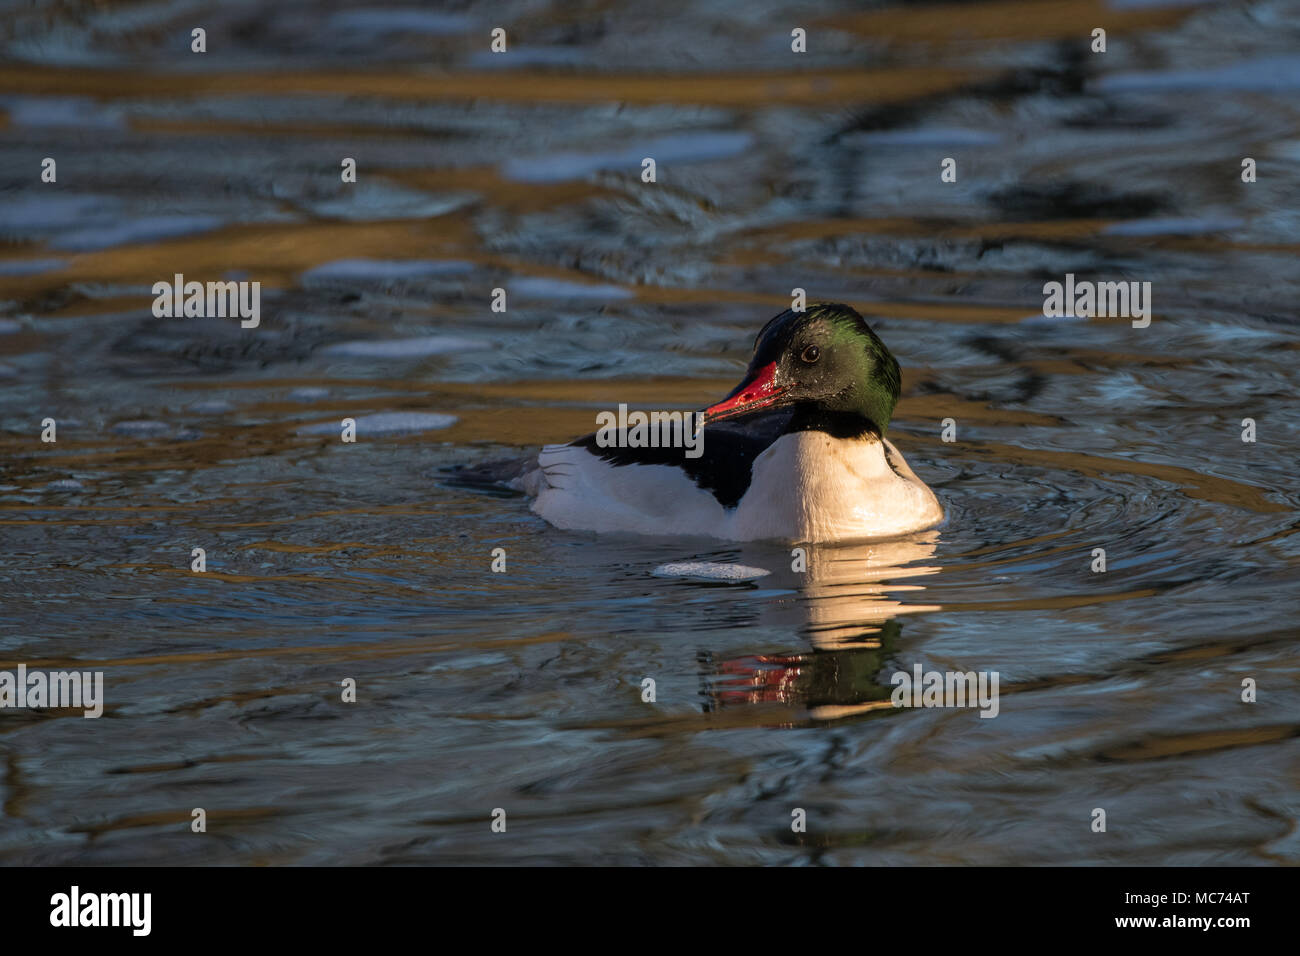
(811, 354)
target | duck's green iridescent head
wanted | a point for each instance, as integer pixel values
(826, 363)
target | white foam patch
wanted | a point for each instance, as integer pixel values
(384, 423)
(709, 570)
(406, 348)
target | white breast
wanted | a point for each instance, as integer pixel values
(809, 486)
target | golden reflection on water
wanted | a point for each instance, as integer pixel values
(847, 620)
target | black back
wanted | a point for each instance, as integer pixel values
(725, 468)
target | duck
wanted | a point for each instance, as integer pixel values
(796, 452)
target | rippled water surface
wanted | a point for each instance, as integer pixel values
(523, 690)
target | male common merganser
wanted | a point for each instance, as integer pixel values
(797, 452)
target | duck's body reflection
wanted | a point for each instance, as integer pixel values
(846, 608)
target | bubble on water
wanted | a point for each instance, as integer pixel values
(406, 348)
(709, 570)
(385, 423)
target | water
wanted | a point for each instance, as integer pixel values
(522, 690)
